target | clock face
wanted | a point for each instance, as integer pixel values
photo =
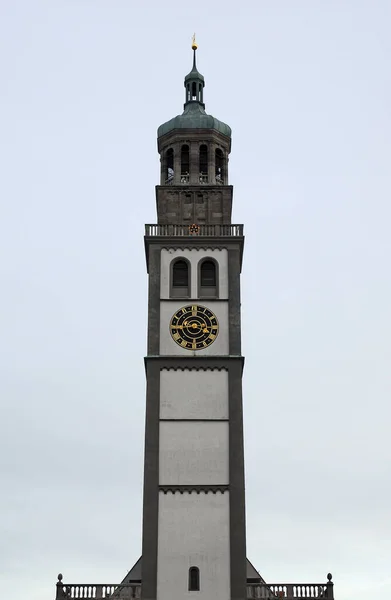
(194, 327)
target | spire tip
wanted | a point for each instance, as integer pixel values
(194, 44)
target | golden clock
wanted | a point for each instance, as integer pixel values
(194, 327)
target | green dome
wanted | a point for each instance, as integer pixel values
(194, 117)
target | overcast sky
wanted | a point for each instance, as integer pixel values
(305, 86)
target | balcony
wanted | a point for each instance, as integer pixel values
(194, 230)
(289, 591)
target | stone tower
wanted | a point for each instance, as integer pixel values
(194, 508)
(194, 543)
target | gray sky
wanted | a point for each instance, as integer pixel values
(305, 85)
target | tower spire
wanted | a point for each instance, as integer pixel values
(194, 81)
(194, 47)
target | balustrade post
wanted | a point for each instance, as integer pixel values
(289, 591)
(59, 587)
(99, 591)
(330, 587)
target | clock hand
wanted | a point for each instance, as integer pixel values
(204, 328)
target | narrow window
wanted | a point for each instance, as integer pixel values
(185, 163)
(180, 279)
(194, 579)
(169, 166)
(208, 279)
(194, 91)
(204, 163)
(208, 274)
(219, 165)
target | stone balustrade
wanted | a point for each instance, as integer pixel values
(291, 591)
(194, 230)
(255, 591)
(97, 590)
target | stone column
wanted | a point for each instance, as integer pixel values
(163, 169)
(194, 163)
(177, 164)
(211, 164)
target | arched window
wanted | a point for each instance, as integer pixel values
(169, 166)
(180, 278)
(194, 579)
(208, 278)
(194, 91)
(185, 163)
(219, 166)
(203, 163)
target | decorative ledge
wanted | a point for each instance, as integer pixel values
(197, 363)
(196, 489)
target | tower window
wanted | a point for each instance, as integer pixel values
(204, 163)
(185, 163)
(194, 91)
(169, 166)
(180, 279)
(194, 579)
(208, 279)
(219, 166)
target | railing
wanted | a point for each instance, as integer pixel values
(290, 591)
(261, 591)
(185, 179)
(98, 591)
(194, 230)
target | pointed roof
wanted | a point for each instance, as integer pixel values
(194, 73)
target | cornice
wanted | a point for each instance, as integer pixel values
(197, 363)
(184, 368)
(193, 489)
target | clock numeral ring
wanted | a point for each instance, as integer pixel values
(194, 327)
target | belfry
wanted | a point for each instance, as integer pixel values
(194, 528)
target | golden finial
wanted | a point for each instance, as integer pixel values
(194, 43)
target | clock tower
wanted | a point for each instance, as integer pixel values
(193, 542)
